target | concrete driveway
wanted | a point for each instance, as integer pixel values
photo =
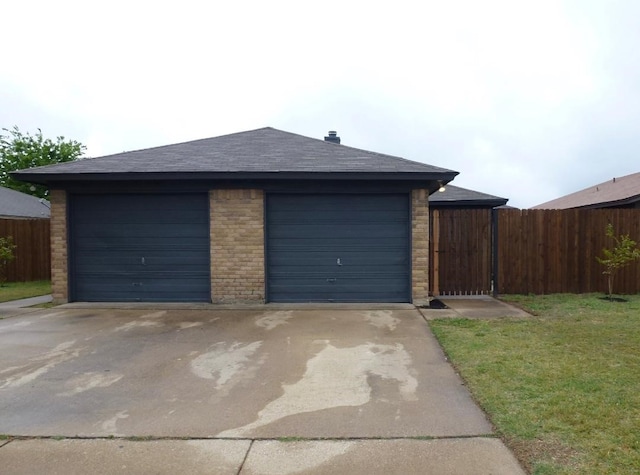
(242, 390)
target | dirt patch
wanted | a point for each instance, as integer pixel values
(536, 451)
(613, 299)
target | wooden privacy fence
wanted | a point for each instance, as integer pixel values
(460, 251)
(515, 251)
(554, 251)
(33, 251)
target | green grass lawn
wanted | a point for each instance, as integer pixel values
(22, 290)
(563, 387)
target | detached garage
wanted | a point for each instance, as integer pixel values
(258, 216)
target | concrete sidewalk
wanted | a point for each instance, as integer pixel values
(22, 306)
(456, 456)
(473, 306)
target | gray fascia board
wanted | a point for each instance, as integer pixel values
(610, 204)
(49, 178)
(468, 203)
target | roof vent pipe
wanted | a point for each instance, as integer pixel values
(333, 137)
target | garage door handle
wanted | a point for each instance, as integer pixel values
(332, 280)
(143, 263)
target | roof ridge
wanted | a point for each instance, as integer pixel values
(333, 144)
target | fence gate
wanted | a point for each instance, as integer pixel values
(460, 251)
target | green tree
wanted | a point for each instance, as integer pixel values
(21, 150)
(6, 255)
(623, 253)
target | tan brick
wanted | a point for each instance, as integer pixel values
(59, 266)
(420, 246)
(237, 246)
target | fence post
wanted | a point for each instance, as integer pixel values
(435, 233)
(494, 251)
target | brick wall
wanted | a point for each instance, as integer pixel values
(420, 246)
(237, 246)
(59, 267)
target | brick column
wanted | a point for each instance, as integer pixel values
(59, 266)
(237, 246)
(420, 246)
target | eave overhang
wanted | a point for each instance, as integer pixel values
(468, 203)
(431, 180)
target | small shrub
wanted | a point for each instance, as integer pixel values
(7, 248)
(621, 255)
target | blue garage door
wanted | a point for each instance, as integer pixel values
(338, 248)
(132, 247)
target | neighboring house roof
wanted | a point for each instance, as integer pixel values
(456, 196)
(613, 193)
(14, 204)
(256, 154)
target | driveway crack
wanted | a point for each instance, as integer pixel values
(246, 455)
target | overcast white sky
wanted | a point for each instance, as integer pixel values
(528, 100)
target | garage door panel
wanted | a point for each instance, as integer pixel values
(342, 291)
(140, 247)
(328, 259)
(116, 265)
(353, 230)
(168, 216)
(136, 245)
(333, 244)
(107, 292)
(134, 231)
(334, 202)
(337, 216)
(341, 248)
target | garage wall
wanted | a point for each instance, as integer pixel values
(59, 277)
(420, 246)
(237, 246)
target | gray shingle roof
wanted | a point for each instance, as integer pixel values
(456, 196)
(616, 192)
(14, 204)
(265, 150)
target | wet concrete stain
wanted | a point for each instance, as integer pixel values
(146, 320)
(294, 457)
(159, 314)
(90, 380)
(337, 377)
(271, 320)
(225, 361)
(185, 325)
(21, 324)
(39, 365)
(137, 324)
(382, 319)
(110, 425)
